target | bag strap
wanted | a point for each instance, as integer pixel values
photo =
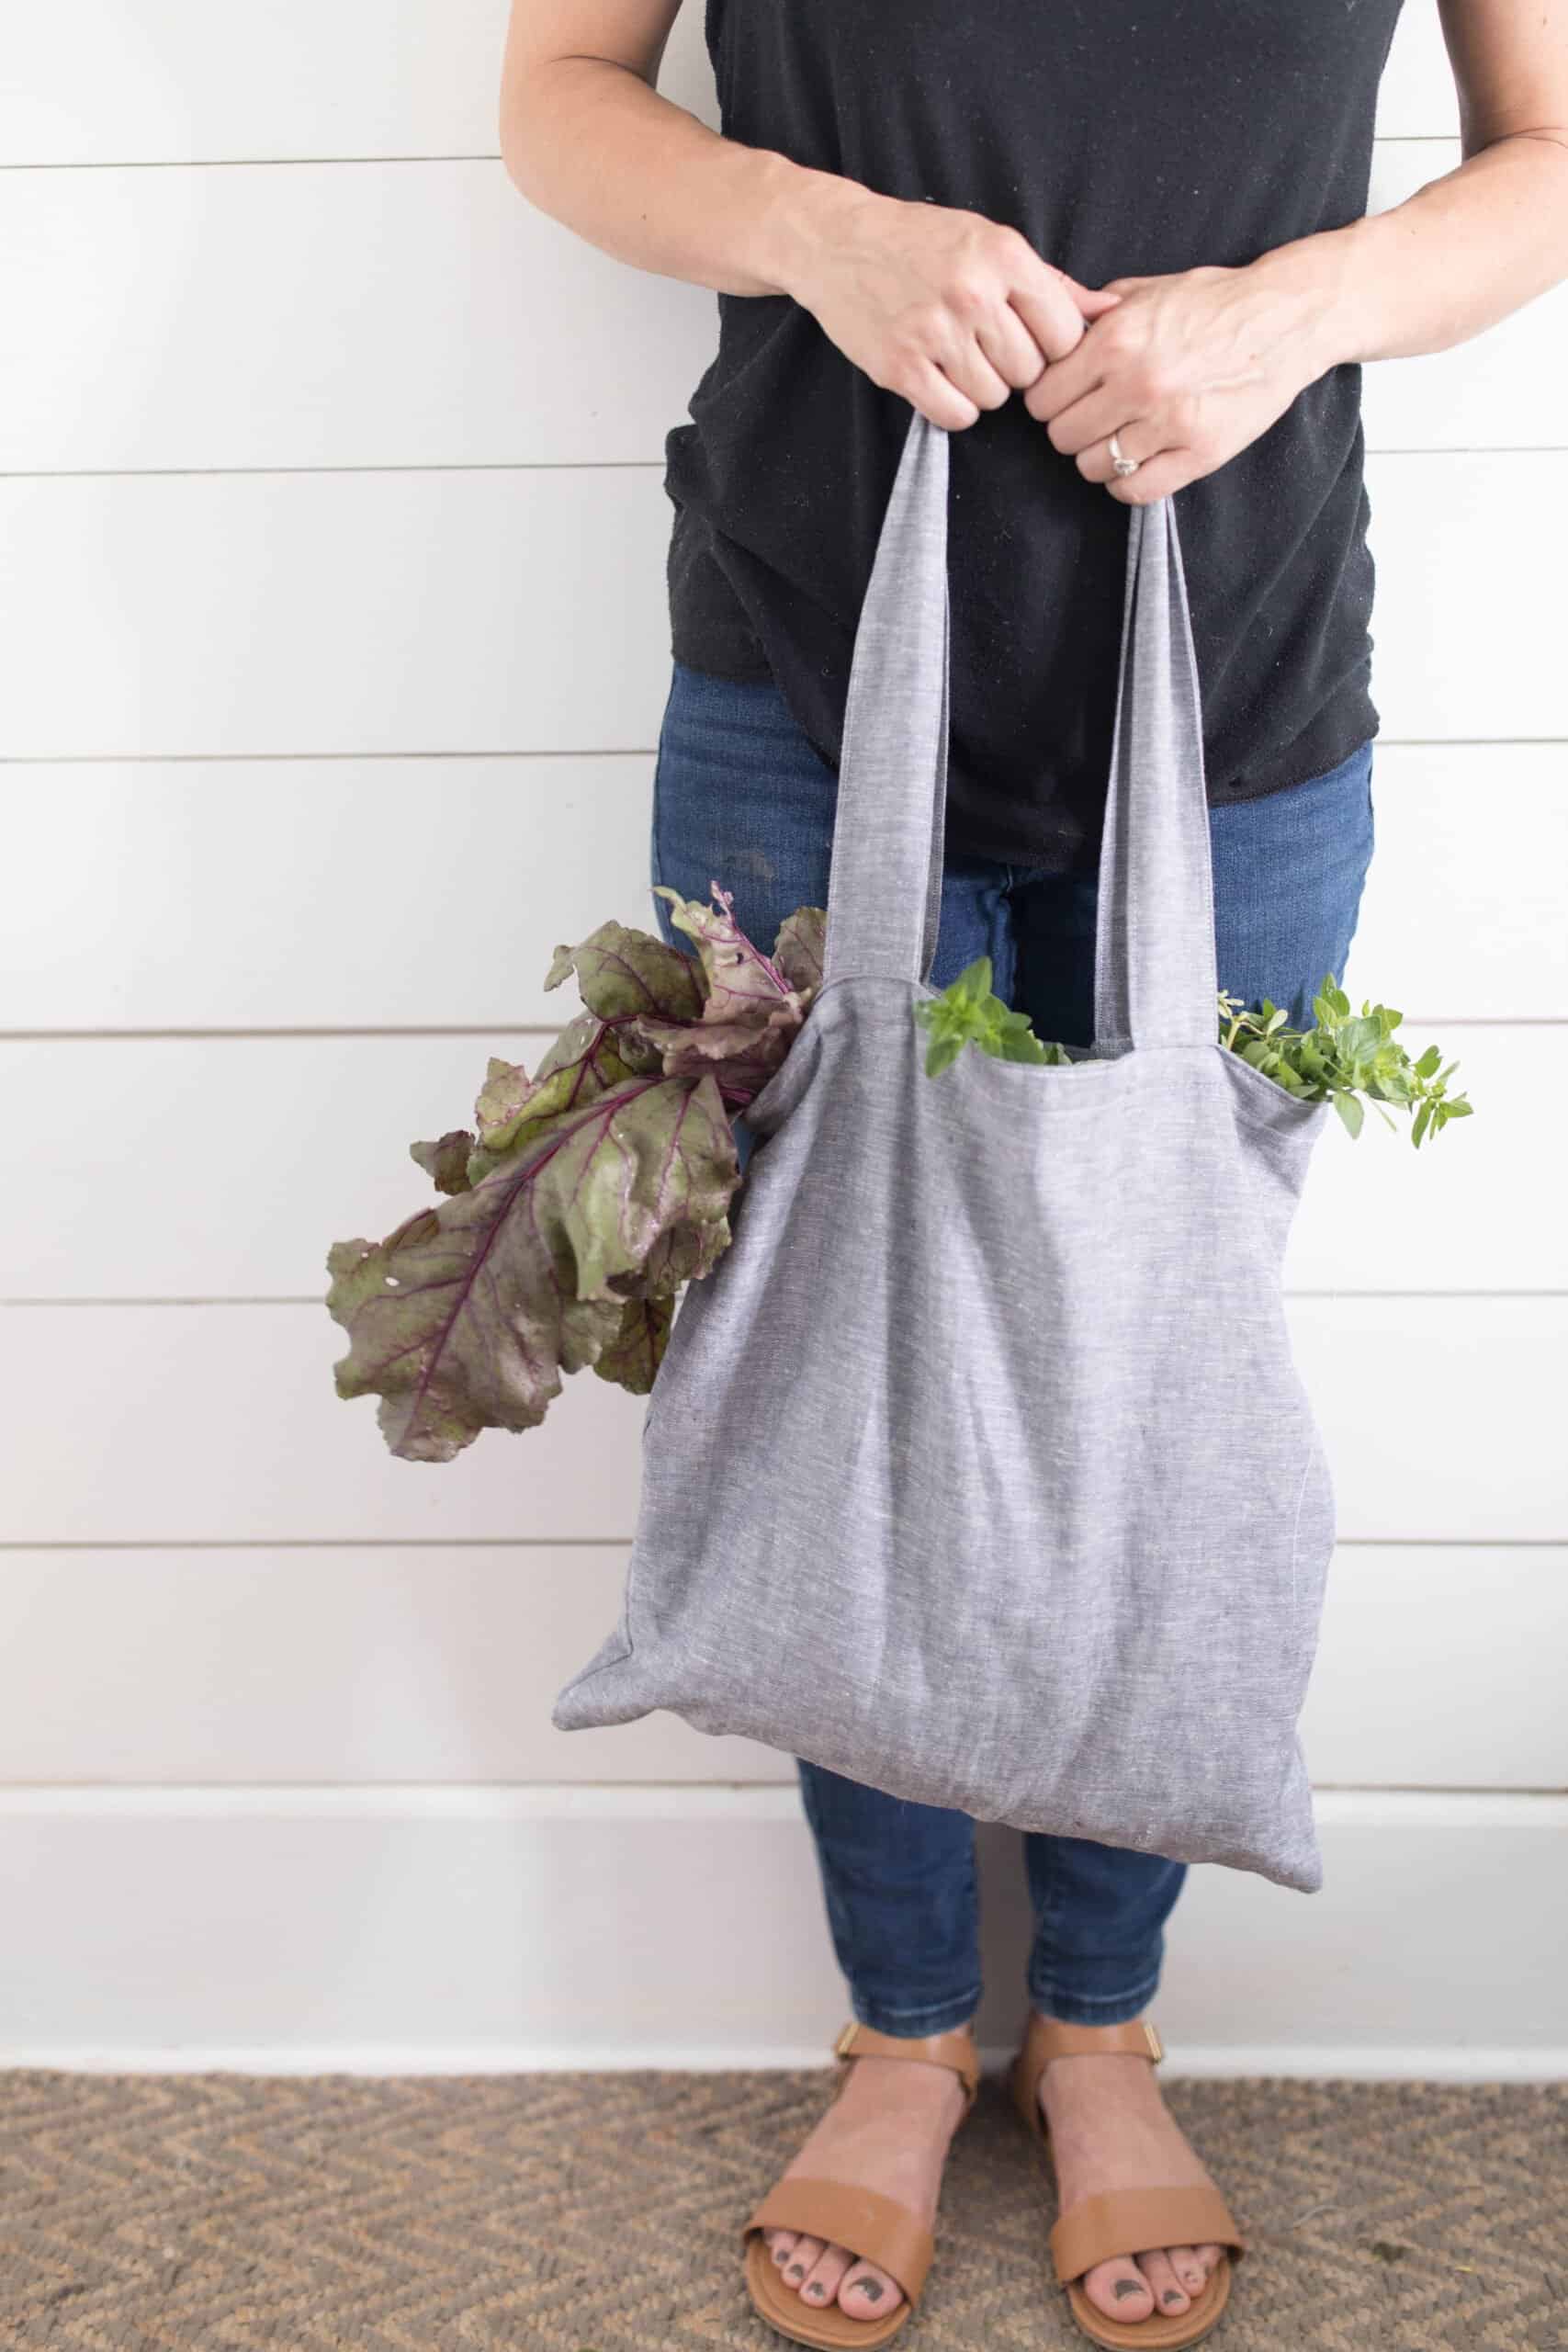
(885, 874)
(1156, 978)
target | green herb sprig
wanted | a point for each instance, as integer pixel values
(1347, 1059)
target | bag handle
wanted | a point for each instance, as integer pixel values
(1155, 977)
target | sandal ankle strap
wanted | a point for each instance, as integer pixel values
(956, 2050)
(1048, 2038)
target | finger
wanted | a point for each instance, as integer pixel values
(1049, 305)
(969, 371)
(1155, 477)
(953, 349)
(1072, 377)
(930, 390)
(1142, 439)
(1101, 412)
(1010, 348)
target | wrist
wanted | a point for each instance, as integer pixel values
(803, 217)
(1320, 278)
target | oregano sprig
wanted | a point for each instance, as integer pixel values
(1346, 1056)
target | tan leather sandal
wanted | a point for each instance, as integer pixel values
(875, 2228)
(1125, 2221)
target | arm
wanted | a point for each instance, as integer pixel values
(1191, 367)
(950, 309)
(586, 136)
(1485, 239)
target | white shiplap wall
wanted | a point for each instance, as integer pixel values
(324, 482)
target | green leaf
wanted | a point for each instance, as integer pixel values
(751, 1009)
(1350, 1112)
(466, 1316)
(621, 971)
(445, 1161)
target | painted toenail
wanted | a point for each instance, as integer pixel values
(797, 2270)
(817, 2288)
(1127, 2286)
(870, 2288)
(1171, 2295)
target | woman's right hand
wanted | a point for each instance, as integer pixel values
(952, 312)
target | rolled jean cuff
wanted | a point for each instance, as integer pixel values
(912, 2025)
(1093, 2009)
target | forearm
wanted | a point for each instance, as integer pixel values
(593, 144)
(1458, 256)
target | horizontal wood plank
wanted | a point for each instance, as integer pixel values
(382, 315)
(389, 1665)
(1462, 915)
(289, 893)
(311, 1135)
(388, 315)
(470, 612)
(334, 613)
(173, 1424)
(178, 81)
(88, 81)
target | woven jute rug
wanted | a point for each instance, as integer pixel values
(601, 2213)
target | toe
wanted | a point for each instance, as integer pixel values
(1208, 2256)
(866, 2292)
(803, 2258)
(1167, 2289)
(1188, 2268)
(822, 2284)
(779, 2243)
(1119, 2288)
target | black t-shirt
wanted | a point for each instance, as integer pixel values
(1120, 137)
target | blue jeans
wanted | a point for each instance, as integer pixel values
(740, 796)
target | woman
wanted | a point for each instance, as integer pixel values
(1149, 224)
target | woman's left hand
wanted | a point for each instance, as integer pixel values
(1185, 370)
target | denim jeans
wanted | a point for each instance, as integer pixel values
(741, 797)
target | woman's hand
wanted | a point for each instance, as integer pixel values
(1185, 370)
(952, 312)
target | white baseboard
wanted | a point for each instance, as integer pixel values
(1338, 2063)
(389, 1929)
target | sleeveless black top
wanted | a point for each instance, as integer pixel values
(1120, 137)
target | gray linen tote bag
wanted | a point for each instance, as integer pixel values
(978, 1469)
